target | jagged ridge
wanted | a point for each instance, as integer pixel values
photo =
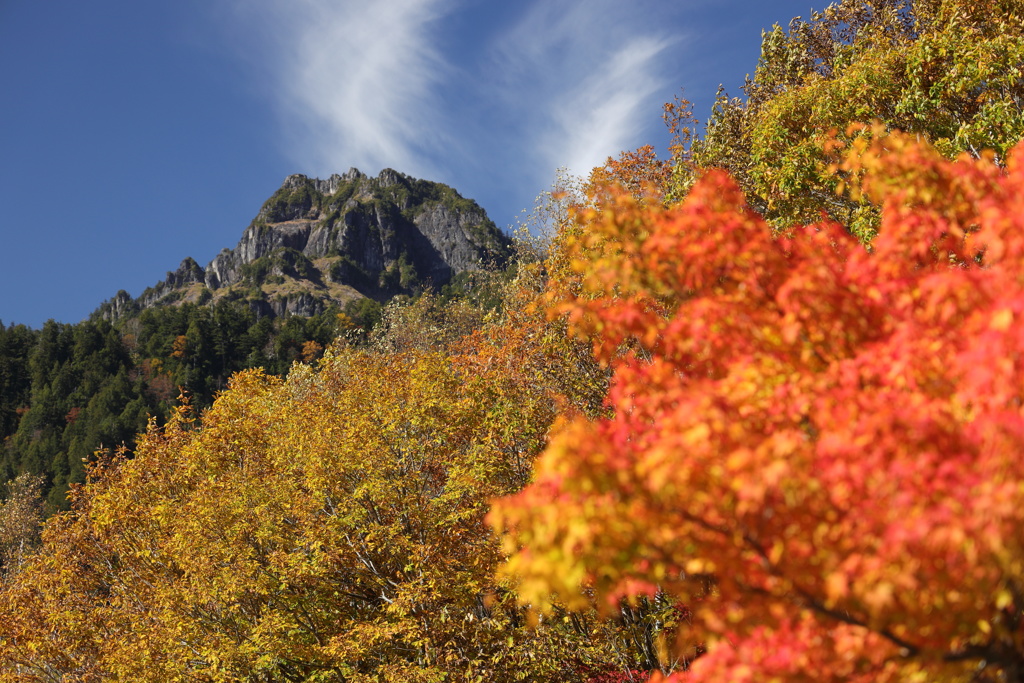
(317, 242)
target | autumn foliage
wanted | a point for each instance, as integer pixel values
(814, 445)
(688, 438)
(946, 70)
(806, 467)
(328, 526)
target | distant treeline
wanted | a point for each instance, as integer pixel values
(67, 390)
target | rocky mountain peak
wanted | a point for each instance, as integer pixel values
(189, 272)
(352, 175)
(317, 242)
(389, 177)
(326, 187)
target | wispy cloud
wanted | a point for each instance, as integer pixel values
(355, 82)
(601, 115)
(561, 83)
(592, 67)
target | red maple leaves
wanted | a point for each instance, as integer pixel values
(819, 441)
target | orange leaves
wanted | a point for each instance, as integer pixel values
(179, 347)
(799, 646)
(640, 173)
(935, 203)
(818, 442)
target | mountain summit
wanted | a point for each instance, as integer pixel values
(320, 242)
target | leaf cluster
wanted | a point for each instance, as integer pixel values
(948, 71)
(814, 446)
(328, 526)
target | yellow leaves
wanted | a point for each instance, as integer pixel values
(179, 348)
(297, 514)
(343, 506)
(699, 566)
(837, 587)
(1002, 320)
(696, 435)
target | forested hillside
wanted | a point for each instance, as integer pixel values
(318, 261)
(69, 390)
(751, 412)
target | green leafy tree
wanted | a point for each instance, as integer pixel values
(947, 70)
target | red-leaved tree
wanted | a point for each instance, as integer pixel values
(818, 447)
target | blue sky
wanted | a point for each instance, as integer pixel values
(134, 134)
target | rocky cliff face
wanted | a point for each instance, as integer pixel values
(317, 242)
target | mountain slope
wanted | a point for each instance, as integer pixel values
(317, 243)
(316, 262)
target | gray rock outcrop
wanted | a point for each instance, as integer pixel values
(371, 221)
(380, 236)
